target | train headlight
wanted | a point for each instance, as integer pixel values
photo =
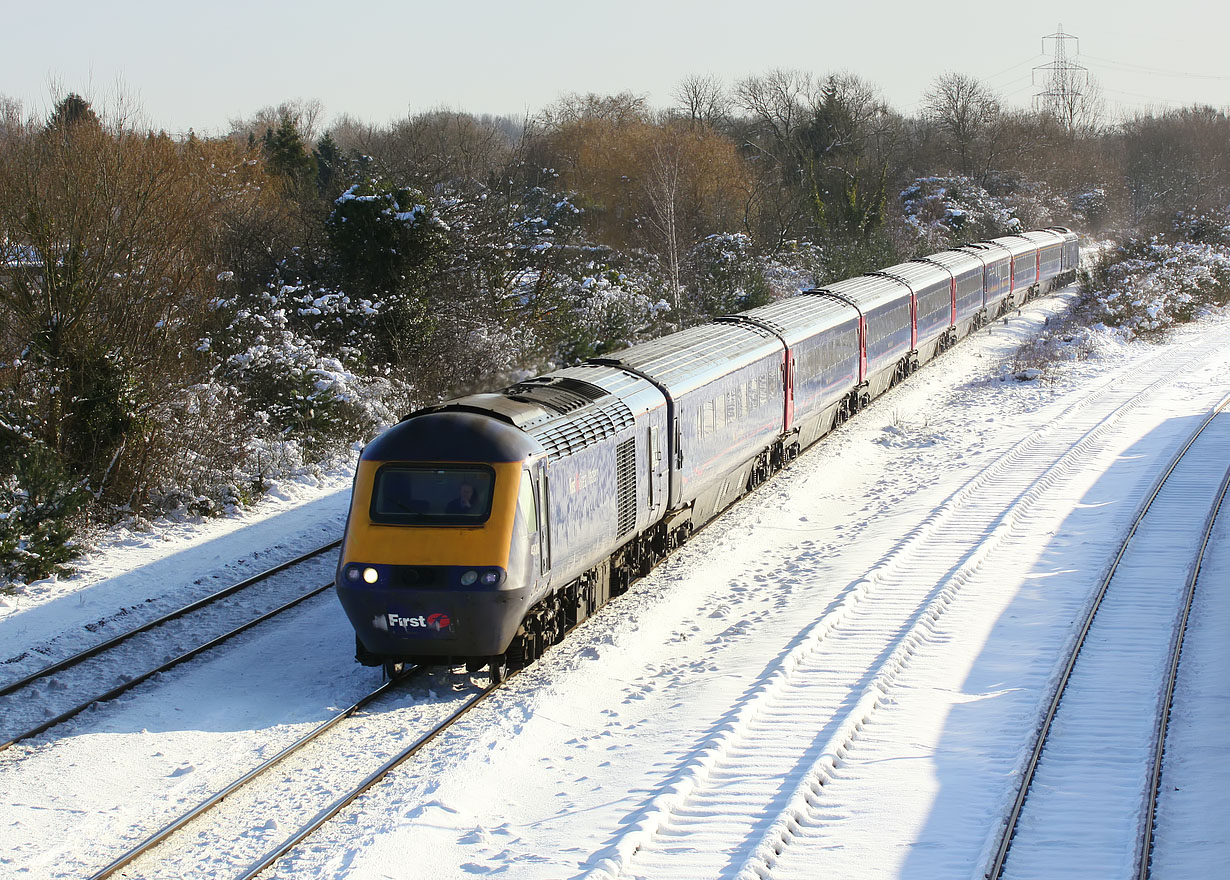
(352, 574)
(469, 578)
(370, 575)
(491, 577)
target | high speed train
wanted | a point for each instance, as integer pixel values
(483, 528)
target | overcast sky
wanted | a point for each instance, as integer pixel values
(201, 64)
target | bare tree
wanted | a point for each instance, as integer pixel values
(964, 109)
(117, 231)
(831, 141)
(12, 115)
(703, 99)
(662, 184)
(778, 103)
(623, 108)
(443, 146)
(304, 114)
(1080, 111)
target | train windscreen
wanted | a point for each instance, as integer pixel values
(424, 495)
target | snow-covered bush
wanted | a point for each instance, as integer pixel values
(1212, 228)
(1091, 210)
(944, 211)
(285, 380)
(606, 308)
(947, 211)
(796, 265)
(726, 275)
(1146, 286)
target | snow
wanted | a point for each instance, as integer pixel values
(1100, 747)
(143, 570)
(1195, 785)
(845, 668)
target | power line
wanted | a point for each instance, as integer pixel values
(1143, 69)
(1170, 101)
(1015, 66)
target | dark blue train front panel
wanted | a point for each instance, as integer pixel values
(442, 554)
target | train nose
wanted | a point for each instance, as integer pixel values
(431, 610)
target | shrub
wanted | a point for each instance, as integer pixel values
(38, 500)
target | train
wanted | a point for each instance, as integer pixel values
(482, 529)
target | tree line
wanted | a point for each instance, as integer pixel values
(185, 317)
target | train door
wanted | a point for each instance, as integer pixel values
(788, 374)
(913, 321)
(542, 488)
(656, 495)
(533, 504)
(862, 348)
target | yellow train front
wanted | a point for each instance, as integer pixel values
(440, 559)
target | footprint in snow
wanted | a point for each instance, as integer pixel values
(182, 771)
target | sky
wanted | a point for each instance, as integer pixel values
(196, 65)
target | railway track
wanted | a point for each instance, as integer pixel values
(1087, 799)
(727, 803)
(39, 701)
(218, 838)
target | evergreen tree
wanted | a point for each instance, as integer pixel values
(71, 111)
(287, 154)
(330, 165)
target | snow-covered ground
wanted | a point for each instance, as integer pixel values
(1100, 747)
(1195, 787)
(838, 678)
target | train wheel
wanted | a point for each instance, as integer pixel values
(498, 667)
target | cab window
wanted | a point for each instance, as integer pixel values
(426, 495)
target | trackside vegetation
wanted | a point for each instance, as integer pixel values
(184, 318)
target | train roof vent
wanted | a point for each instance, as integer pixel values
(560, 393)
(758, 321)
(569, 436)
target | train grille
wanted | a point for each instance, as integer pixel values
(625, 488)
